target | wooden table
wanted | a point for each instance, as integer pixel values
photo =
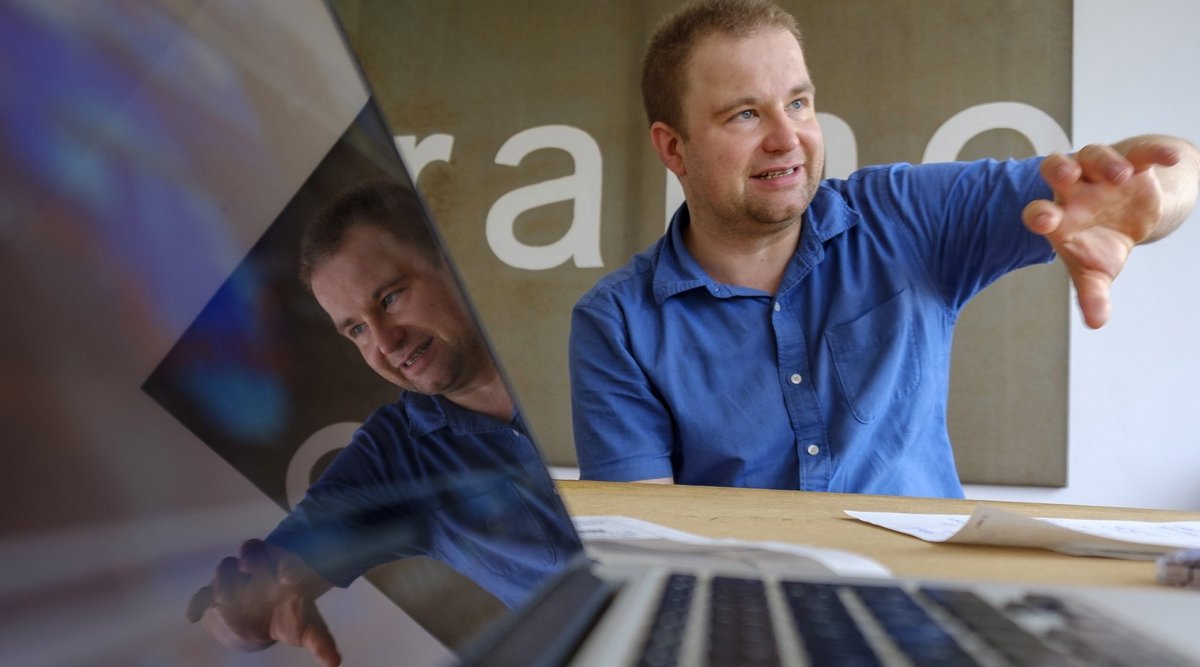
(817, 519)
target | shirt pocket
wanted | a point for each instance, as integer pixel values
(875, 358)
(495, 528)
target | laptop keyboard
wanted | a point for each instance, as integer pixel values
(754, 623)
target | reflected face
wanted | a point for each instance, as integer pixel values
(753, 151)
(403, 313)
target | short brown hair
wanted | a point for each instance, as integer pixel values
(388, 205)
(664, 71)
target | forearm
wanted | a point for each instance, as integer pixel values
(365, 509)
(334, 549)
(622, 430)
(1178, 183)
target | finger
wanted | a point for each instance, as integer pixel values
(201, 600)
(1102, 163)
(1041, 217)
(1060, 171)
(319, 640)
(296, 621)
(1092, 290)
(255, 557)
(227, 581)
(1146, 154)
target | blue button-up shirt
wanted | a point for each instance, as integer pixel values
(423, 476)
(837, 382)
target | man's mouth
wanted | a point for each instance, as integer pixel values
(768, 175)
(417, 354)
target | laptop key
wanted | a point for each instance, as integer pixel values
(670, 620)
(921, 638)
(1001, 633)
(827, 631)
(739, 624)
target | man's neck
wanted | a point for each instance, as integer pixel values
(490, 398)
(756, 261)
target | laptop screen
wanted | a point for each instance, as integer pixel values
(233, 319)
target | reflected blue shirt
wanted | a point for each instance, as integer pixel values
(424, 477)
(838, 382)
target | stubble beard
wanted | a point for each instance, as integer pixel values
(462, 368)
(776, 216)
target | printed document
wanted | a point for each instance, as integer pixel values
(621, 539)
(989, 524)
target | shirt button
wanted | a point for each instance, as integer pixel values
(796, 379)
(516, 433)
(778, 307)
(813, 450)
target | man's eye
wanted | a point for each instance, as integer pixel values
(390, 298)
(745, 115)
(799, 104)
(356, 330)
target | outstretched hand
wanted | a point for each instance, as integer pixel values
(265, 595)
(1106, 200)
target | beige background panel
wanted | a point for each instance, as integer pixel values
(483, 72)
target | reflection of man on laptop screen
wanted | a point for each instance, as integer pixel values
(430, 474)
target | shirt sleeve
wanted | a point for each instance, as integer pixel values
(623, 430)
(354, 517)
(964, 219)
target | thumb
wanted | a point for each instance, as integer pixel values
(1145, 154)
(1041, 217)
(318, 640)
(1092, 288)
(200, 602)
(297, 621)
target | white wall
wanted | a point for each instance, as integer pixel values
(1134, 432)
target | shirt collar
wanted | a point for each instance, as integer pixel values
(427, 414)
(677, 271)
(827, 216)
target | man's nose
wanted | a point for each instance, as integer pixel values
(389, 337)
(781, 134)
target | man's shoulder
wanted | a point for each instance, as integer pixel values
(402, 419)
(864, 189)
(397, 429)
(629, 284)
(391, 413)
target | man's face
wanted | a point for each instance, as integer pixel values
(753, 151)
(403, 313)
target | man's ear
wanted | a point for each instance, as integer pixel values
(668, 143)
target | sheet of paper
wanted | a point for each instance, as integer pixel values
(990, 524)
(609, 538)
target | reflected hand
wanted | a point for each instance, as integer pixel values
(1104, 204)
(265, 595)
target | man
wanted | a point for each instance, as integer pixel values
(794, 333)
(446, 471)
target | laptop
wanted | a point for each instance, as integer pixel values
(176, 150)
